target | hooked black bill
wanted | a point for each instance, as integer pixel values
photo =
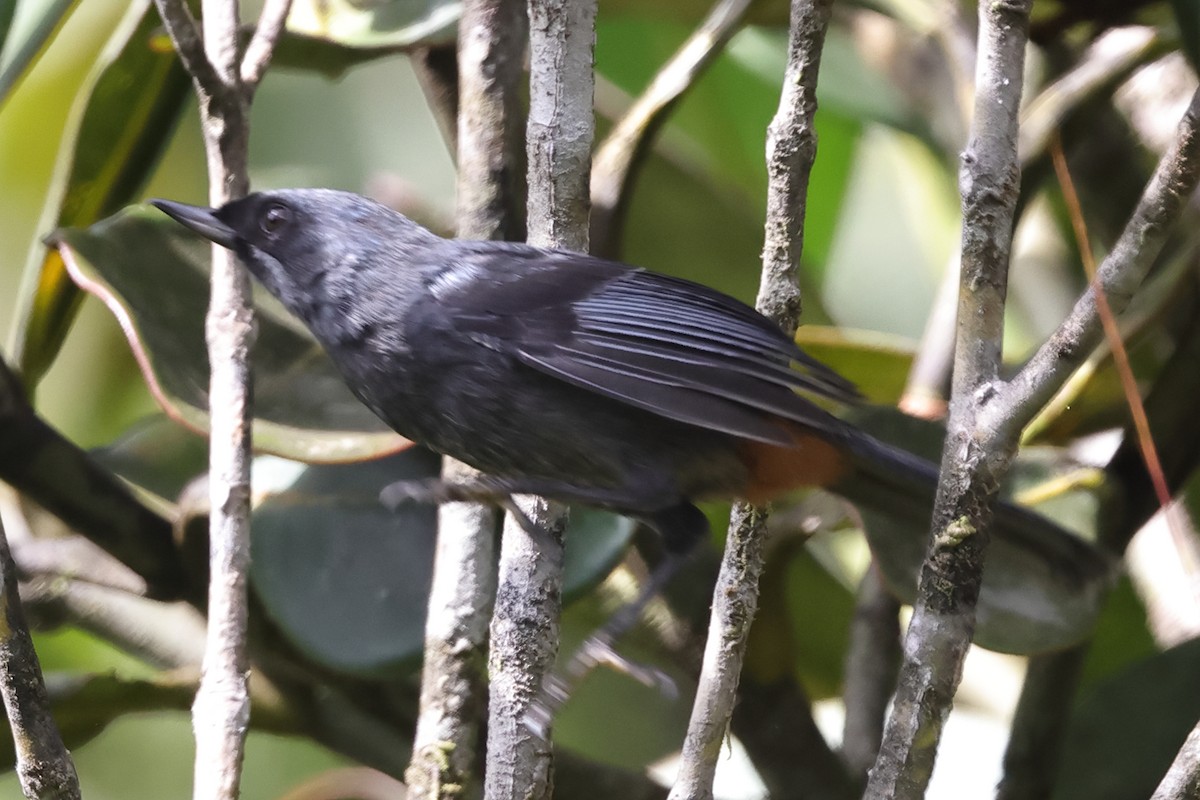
(199, 219)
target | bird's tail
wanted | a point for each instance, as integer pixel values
(901, 487)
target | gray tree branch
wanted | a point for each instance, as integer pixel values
(944, 615)
(220, 716)
(1182, 781)
(558, 140)
(454, 681)
(44, 766)
(1120, 274)
(791, 149)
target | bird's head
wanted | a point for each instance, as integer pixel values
(308, 247)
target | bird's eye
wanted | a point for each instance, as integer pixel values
(274, 217)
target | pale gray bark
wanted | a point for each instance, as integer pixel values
(225, 81)
(791, 150)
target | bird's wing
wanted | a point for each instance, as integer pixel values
(662, 344)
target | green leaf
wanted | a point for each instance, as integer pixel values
(612, 718)
(19, 58)
(347, 580)
(594, 544)
(118, 129)
(1128, 729)
(157, 455)
(877, 363)
(802, 625)
(153, 275)
(373, 24)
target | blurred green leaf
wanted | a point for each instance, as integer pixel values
(1026, 606)
(347, 579)
(612, 718)
(19, 58)
(153, 275)
(376, 24)
(877, 363)
(595, 542)
(118, 129)
(1128, 729)
(1122, 635)
(158, 455)
(802, 625)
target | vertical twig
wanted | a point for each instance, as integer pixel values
(558, 141)
(944, 615)
(562, 124)
(872, 661)
(1039, 726)
(43, 764)
(491, 44)
(454, 681)
(225, 82)
(791, 149)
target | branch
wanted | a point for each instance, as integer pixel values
(262, 44)
(454, 681)
(43, 764)
(872, 662)
(1163, 200)
(220, 716)
(558, 141)
(490, 173)
(185, 33)
(47, 468)
(791, 149)
(624, 149)
(562, 124)
(1182, 780)
(436, 68)
(944, 615)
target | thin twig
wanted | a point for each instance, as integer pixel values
(558, 141)
(454, 681)
(1039, 726)
(1104, 66)
(436, 68)
(262, 44)
(1108, 322)
(1182, 781)
(44, 766)
(624, 149)
(791, 150)
(220, 715)
(185, 33)
(944, 615)
(1173, 182)
(872, 662)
